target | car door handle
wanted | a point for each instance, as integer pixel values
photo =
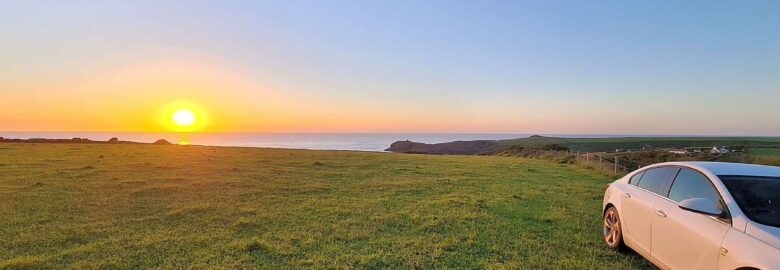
(660, 213)
(626, 195)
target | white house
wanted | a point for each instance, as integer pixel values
(719, 150)
(679, 151)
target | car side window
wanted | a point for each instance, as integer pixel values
(656, 179)
(635, 179)
(692, 184)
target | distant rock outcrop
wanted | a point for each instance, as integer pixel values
(74, 141)
(449, 148)
(162, 142)
(43, 140)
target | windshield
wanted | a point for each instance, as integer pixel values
(758, 197)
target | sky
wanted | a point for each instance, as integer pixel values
(549, 67)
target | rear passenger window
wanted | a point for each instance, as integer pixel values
(692, 184)
(656, 179)
(635, 179)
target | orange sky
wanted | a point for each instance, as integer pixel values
(420, 66)
(135, 97)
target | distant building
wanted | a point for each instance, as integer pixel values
(737, 149)
(719, 150)
(680, 151)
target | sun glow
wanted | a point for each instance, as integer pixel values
(183, 117)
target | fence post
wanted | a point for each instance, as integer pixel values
(616, 163)
(587, 158)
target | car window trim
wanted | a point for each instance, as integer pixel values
(721, 201)
(666, 185)
(717, 192)
(678, 204)
(641, 174)
(670, 182)
(720, 198)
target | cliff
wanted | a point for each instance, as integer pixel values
(448, 148)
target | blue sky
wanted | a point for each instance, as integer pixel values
(619, 67)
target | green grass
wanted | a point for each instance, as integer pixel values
(147, 206)
(760, 155)
(610, 144)
(764, 151)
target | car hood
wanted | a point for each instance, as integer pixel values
(767, 234)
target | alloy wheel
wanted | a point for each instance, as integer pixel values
(611, 228)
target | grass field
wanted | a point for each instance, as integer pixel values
(147, 206)
(775, 152)
(758, 155)
(610, 144)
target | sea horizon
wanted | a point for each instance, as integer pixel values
(356, 141)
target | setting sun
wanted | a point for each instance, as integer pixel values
(183, 117)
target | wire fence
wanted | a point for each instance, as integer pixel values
(619, 163)
(612, 163)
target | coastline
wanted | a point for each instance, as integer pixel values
(78, 141)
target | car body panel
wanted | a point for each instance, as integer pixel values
(707, 243)
(742, 250)
(638, 217)
(685, 240)
(767, 234)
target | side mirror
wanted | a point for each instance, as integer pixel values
(702, 206)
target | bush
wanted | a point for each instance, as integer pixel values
(555, 147)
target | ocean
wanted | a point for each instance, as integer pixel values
(317, 141)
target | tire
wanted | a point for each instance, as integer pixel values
(612, 229)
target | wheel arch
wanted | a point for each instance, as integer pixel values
(607, 206)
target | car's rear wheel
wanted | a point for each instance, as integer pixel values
(613, 230)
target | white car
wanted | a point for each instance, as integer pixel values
(697, 215)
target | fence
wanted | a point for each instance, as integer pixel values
(607, 162)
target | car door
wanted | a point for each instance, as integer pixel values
(638, 206)
(682, 239)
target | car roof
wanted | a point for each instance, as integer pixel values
(727, 168)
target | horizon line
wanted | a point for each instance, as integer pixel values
(415, 132)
